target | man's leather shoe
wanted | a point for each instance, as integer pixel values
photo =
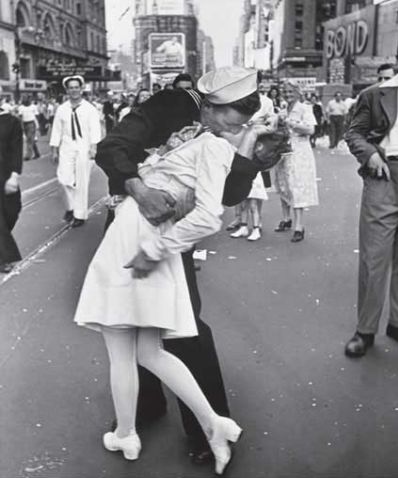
(78, 222)
(359, 344)
(6, 268)
(392, 332)
(68, 216)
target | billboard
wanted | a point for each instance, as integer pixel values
(166, 7)
(167, 50)
(351, 34)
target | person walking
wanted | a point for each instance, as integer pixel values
(108, 111)
(373, 139)
(28, 114)
(118, 155)
(125, 111)
(136, 311)
(317, 109)
(74, 137)
(336, 111)
(295, 174)
(11, 146)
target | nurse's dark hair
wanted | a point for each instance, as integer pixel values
(246, 106)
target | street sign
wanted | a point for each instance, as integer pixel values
(167, 50)
(57, 71)
(305, 83)
(32, 85)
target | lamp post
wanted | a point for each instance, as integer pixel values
(16, 67)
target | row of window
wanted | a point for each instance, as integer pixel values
(324, 11)
(48, 29)
(95, 8)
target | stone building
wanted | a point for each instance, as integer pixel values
(53, 37)
(7, 48)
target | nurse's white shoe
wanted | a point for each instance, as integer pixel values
(224, 431)
(129, 445)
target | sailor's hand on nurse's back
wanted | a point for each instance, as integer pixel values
(155, 205)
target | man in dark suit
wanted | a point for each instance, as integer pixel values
(109, 112)
(118, 155)
(373, 140)
(10, 195)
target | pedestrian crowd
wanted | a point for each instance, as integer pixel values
(173, 161)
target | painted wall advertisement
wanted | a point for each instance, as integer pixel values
(350, 35)
(167, 50)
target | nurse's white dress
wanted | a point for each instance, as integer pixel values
(110, 295)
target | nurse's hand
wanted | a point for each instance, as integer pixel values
(155, 205)
(141, 265)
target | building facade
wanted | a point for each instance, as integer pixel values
(205, 57)
(297, 36)
(58, 37)
(168, 41)
(360, 40)
(7, 48)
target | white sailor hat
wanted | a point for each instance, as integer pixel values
(228, 84)
(78, 78)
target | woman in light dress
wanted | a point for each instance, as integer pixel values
(135, 291)
(295, 174)
(251, 207)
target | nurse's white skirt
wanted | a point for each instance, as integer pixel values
(112, 297)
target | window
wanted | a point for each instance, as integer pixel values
(78, 9)
(48, 27)
(69, 36)
(22, 15)
(354, 5)
(299, 9)
(4, 66)
(92, 45)
(25, 67)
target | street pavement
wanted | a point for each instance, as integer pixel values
(280, 313)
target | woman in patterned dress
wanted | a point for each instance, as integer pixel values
(295, 174)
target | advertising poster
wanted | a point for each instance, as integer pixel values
(167, 50)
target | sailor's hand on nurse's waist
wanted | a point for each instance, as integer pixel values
(141, 265)
(155, 205)
(378, 167)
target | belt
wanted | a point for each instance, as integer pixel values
(392, 158)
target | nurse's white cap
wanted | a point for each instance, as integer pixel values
(228, 84)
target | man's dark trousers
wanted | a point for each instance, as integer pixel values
(199, 355)
(336, 130)
(10, 207)
(378, 246)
